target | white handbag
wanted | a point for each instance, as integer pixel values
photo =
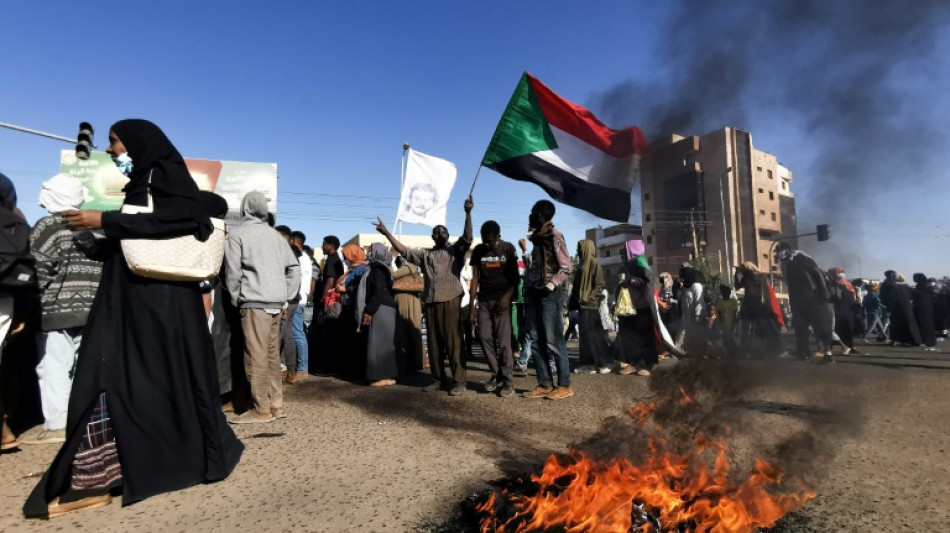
(183, 258)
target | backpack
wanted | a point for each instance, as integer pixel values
(834, 288)
(17, 265)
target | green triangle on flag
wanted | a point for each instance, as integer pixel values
(522, 130)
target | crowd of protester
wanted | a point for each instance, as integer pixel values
(167, 365)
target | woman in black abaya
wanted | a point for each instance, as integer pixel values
(144, 411)
(925, 296)
(895, 295)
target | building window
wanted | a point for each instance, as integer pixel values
(761, 211)
(607, 253)
(649, 239)
(646, 197)
(648, 218)
(770, 174)
(773, 217)
(771, 195)
(761, 191)
(649, 260)
(765, 256)
(783, 185)
(759, 169)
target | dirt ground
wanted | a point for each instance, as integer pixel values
(354, 458)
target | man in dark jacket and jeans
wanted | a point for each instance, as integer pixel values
(262, 275)
(548, 271)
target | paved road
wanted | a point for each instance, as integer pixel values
(355, 458)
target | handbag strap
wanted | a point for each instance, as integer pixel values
(148, 191)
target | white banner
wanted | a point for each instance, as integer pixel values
(425, 193)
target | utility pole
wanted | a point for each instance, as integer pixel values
(692, 229)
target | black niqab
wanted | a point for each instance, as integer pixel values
(175, 193)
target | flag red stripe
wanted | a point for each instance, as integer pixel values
(581, 123)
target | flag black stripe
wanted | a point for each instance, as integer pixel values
(604, 202)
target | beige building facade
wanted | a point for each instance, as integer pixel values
(714, 196)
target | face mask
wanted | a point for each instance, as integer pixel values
(124, 162)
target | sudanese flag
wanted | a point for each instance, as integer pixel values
(561, 146)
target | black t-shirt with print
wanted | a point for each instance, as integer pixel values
(497, 270)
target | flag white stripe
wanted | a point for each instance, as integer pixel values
(590, 164)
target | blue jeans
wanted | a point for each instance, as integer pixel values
(300, 340)
(547, 336)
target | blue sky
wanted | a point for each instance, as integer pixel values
(330, 91)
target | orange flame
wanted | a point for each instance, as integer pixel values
(687, 397)
(642, 410)
(692, 490)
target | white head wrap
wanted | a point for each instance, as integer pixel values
(62, 193)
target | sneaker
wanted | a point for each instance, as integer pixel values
(521, 372)
(491, 385)
(586, 369)
(301, 376)
(828, 359)
(278, 414)
(248, 418)
(457, 390)
(55, 508)
(854, 351)
(605, 370)
(560, 393)
(538, 393)
(506, 390)
(55, 436)
(845, 350)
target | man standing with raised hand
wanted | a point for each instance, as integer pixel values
(442, 295)
(494, 280)
(549, 269)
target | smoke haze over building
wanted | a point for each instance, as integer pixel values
(855, 85)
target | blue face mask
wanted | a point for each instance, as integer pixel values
(124, 162)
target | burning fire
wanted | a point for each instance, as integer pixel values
(669, 492)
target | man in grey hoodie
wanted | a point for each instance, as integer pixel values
(262, 276)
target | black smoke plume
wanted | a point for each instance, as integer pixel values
(855, 79)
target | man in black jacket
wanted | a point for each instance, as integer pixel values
(808, 296)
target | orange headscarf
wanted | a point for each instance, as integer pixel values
(354, 254)
(837, 273)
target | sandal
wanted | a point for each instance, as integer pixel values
(55, 508)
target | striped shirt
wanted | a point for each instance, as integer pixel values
(441, 269)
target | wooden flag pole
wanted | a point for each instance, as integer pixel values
(474, 181)
(402, 184)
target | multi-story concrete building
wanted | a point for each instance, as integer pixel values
(714, 196)
(610, 243)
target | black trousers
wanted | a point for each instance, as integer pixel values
(494, 335)
(594, 343)
(810, 314)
